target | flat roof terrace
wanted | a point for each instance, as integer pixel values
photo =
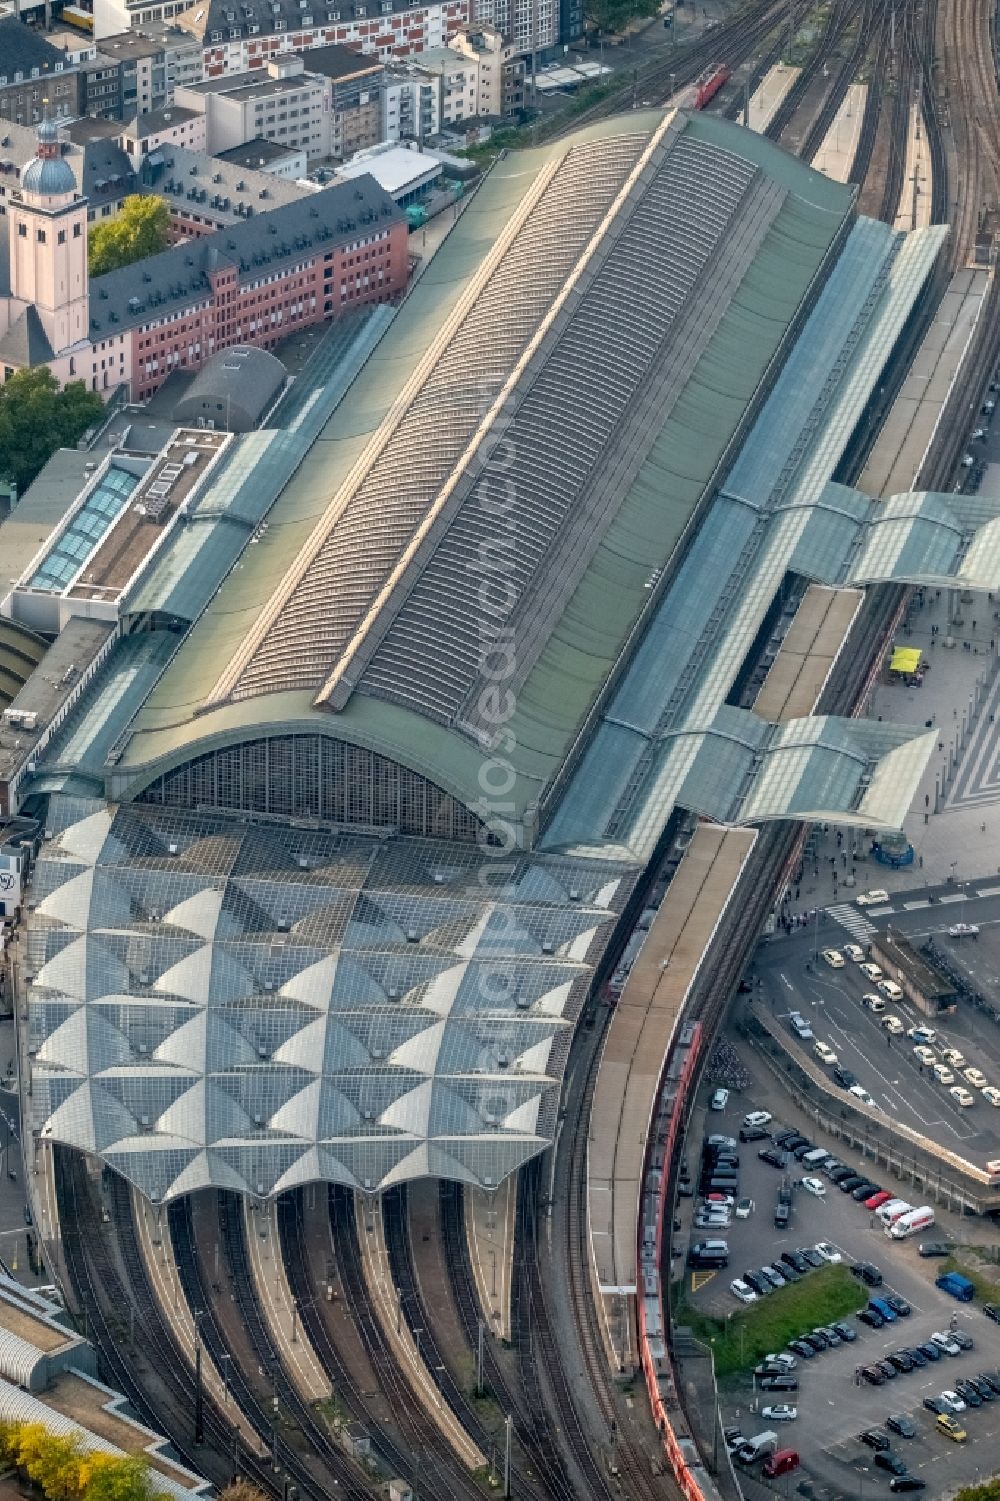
(155, 501)
(635, 1049)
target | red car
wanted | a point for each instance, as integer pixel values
(877, 1200)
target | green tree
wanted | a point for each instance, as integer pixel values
(988, 1491)
(141, 228)
(615, 15)
(36, 418)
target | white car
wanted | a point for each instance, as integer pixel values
(783, 1413)
(893, 1025)
(873, 1002)
(758, 1118)
(815, 1186)
(834, 958)
(719, 1100)
(854, 952)
(942, 1074)
(975, 1077)
(890, 990)
(783, 1359)
(992, 1094)
(963, 930)
(921, 1033)
(743, 1291)
(963, 1097)
(946, 1343)
(925, 1055)
(719, 1201)
(744, 1208)
(824, 1052)
(860, 1093)
(952, 1401)
(872, 898)
(954, 1057)
(871, 972)
(828, 1252)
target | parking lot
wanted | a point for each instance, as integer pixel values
(833, 1409)
(831, 1001)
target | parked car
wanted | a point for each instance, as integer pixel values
(963, 1340)
(854, 952)
(901, 1359)
(876, 1200)
(814, 1186)
(779, 1384)
(898, 1422)
(787, 1362)
(824, 1052)
(811, 1255)
(743, 1291)
(758, 1118)
(847, 1334)
(975, 1077)
(867, 1273)
(872, 898)
(969, 1392)
(930, 1351)
(847, 1185)
(989, 1379)
(952, 1429)
(719, 1100)
(760, 1286)
(907, 1482)
(754, 1133)
(801, 1348)
(872, 1318)
(898, 1305)
(887, 1460)
(992, 1311)
(873, 1375)
(871, 971)
(893, 1025)
(783, 1412)
(827, 1252)
(829, 1333)
(888, 1371)
(744, 1209)
(863, 1191)
(773, 1158)
(834, 958)
(917, 1355)
(874, 1438)
(963, 1097)
(844, 1077)
(933, 1248)
(934, 1404)
(946, 1343)
(952, 1401)
(782, 1215)
(793, 1258)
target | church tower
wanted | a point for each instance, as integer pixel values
(48, 244)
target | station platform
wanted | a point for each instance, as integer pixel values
(632, 1063)
(489, 1228)
(767, 98)
(267, 1268)
(795, 678)
(399, 1337)
(165, 1282)
(899, 452)
(915, 199)
(835, 156)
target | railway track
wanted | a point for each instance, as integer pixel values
(437, 1462)
(846, 74)
(93, 1273)
(839, 19)
(529, 1422)
(399, 1459)
(284, 1458)
(233, 1231)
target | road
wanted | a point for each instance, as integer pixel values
(793, 978)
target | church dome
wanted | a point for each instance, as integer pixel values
(49, 174)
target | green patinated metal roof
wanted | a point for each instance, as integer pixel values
(612, 590)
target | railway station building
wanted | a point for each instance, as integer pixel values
(347, 833)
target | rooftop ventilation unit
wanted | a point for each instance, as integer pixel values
(412, 936)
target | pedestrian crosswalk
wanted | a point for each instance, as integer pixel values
(854, 921)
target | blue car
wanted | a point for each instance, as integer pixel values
(881, 1306)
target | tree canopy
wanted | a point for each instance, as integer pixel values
(64, 1471)
(242, 1490)
(140, 228)
(615, 15)
(988, 1491)
(36, 418)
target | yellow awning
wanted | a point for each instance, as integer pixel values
(905, 659)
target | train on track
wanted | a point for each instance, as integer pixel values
(708, 84)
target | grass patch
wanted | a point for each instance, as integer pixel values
(738, 1343)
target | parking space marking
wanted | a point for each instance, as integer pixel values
(915, 906)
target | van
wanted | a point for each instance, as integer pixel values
(756, 1448)
(891, 989)
(779, 1463)
(958, 1286)
(910, 1224)
(709, 1253)
(815, 1158)
(893, 1211)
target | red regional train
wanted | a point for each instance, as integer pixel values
(709, 84)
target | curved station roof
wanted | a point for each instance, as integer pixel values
(512, 549)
